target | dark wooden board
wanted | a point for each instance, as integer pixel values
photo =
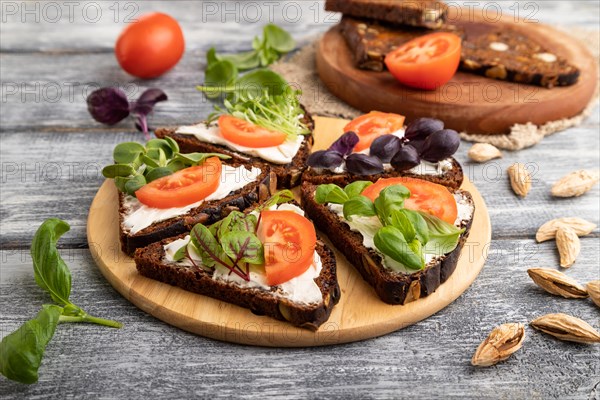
(468, 102)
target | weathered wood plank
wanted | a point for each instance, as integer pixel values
(428, 360)
(58, 174)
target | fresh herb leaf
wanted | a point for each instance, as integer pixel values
(419, 223)
(134, 184)
(391, 242)
(128, 152)
(192, 159)
(391, 198)
(278, 39)
(236, 222)
(21, 352)
(398, 219)
(283, 196)
(443, 237)
(358, 205)
(181, 253)
(218, 75)
(330, 193)
(356, 188)
(209, 249)
(50, 271)
(172, 144)
(243, 61)
(345, 144)
(157, 173)
(243, 246)
(114, 170)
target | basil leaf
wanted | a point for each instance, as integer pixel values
(443, 237)
(127, 152)
(50, 271)
(220, 75)
(157, 173)
(209, 249)
(243, 246)
(278, 39)
(418, 222)
(243, 61)
(356, 188)
(134, 184)
(253, 83)
(390, 198)
(359, 205)
(114, 170)
(21, 352)
(398, 219)
(390, 241)
(283, 196)
(330, 193)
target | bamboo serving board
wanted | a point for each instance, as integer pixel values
(468, 103)
(359, 315)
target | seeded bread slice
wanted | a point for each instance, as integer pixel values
(288, 175)
(150, 262)
(427, 14)
(509, 55)
(452, 178)
(392, 287)
(370, 41)
(207, 213)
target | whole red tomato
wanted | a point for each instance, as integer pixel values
(150, 46)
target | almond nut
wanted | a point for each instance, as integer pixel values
(593, 289)
(566, 327)
(555, 282)
(520, 180)
(482, 152)
(568, 245)
(575, 184)
(501, 343)
(548, 230)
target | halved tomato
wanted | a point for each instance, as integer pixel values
(424, 196)
(426, 62)
(370, 126)
(184, 187)
(289, 241)
(244, 133)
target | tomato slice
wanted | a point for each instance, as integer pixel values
(184, 187)
(424, 196)
(370, 126)
(426, 62)
(289, 241)
(244, 133)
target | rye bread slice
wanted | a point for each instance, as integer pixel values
(288, 175)
(207, 213)
(370, 41)
(421, 13)
(511, 56)
(452, 178)
(150, 263)
(392, 287)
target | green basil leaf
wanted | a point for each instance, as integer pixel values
(243, 61)
(172, 144)
(134, 184)
(418, 222)
(278, 39)
(443, 237)
(243, 246)
(127, 152)
(356, 188)
(50, 271)
(330, 193)
(398, 219)
(162, 145)
(219, 76)
(390, 198)
(157, 173)
(253, 83)
(149, 161)
(21, 352)
(209, 249)
(390, 241)
(283, 196)
(114, 170)
(359, 205)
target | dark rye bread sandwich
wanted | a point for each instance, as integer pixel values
(391, 286)
(427, 14)
(511, 56)
(451, 177)
(288, 175)
(305, 301)
(210, 211)
(371, 40)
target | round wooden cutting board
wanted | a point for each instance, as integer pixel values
(468, 103)
(359, 315)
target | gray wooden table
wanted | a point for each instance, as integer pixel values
(51, 155)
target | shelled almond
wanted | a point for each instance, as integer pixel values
(482, 152)
(568, 245)
(575, 184)
(593, 289)
(579, 225)
(520, 179)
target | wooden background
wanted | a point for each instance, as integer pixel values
(51, 154)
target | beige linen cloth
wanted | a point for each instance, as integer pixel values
(300, 69)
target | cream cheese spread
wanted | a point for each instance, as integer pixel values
(282, 154)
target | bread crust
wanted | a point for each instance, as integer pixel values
(150, 263)
(288, 175)
(207, 213)
(453, 178)
(391, 287)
